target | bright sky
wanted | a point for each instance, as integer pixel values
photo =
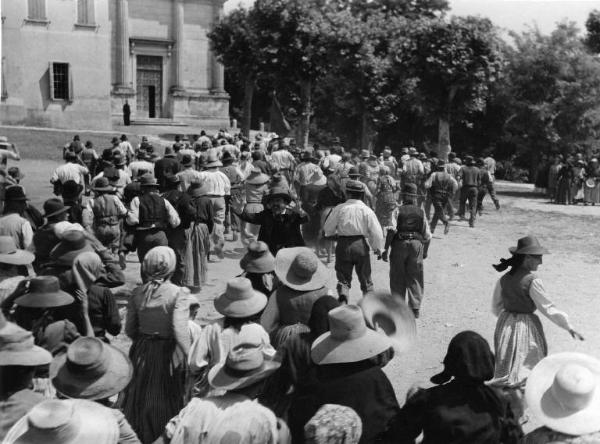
(514, 15)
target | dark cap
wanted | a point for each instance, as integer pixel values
(354, 186)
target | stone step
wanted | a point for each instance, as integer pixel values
(157, 122)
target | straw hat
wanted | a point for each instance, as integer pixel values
(212, 160)
(54, 206)
(240, 300)
(64, 226)
(528, 245)
(246, 364)
(256, 177)
(258, 259)
(70, 421)
(10, 254)
(349, 339)
(278, 191)
(17, 346)
(354, 186)
(390, 313)
(72, 244)
(90, 369)
(318, 178)
(44, 292)
(300, 269)
(563, 392)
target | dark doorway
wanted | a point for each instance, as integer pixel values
(149, 86)
(151, 101)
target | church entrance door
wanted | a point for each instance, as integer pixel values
(149, 86)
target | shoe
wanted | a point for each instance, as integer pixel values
(416, 313)
(497, 203)
(446, 228)
(122, 261)
(472, 225)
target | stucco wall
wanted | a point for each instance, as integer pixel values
(28, 48)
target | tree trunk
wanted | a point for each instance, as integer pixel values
(366, 133)
(444, 138)
(247, 106)
(304, 120)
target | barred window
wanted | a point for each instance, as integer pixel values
(36, 9)
(85, 12)
(60, 81)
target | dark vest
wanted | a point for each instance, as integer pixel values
(105, 210)
(410, 219)
(515, 292)
(441, 185)
(153, 211)
(295, 306)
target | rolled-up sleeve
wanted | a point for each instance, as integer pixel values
(133, 216)
(375, 234)
(174, 219)
(181, 314)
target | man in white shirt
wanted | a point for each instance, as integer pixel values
(140, 165)
(126, 148)
(71, 170)
(283, 161)
(216, 186)
(188, 175)
(356, 228)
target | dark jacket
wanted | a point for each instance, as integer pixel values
(164, 167)
(277, 232)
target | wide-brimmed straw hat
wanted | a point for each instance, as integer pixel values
(54, 207)
(391, 314)
(44, 292)
(318, 178)
(90, 369)
(240, 300)
(278, 191)
(212, 160)
(354, 186)
(258, 258)
(101, 185)
(72, 244)
(256, 177)
(563, 392)
(17, 346)
(246, 364)
(349, 338)
(10, 254)
(69, 421)
(300, 269)
(528, 245)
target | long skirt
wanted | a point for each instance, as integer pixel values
(249, 232)
(384, 208)
(520, 344)
(591, 195)
(156, 391)
(563, 192)
(197, 245)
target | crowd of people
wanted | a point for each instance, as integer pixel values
(290, 360)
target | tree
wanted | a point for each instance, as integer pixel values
(592, 25)
(453, 63)
(234, 40)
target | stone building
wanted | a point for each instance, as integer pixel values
(74, 63)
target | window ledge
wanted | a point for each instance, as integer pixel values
(87, 26)
(40, 22)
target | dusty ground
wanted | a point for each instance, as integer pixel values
(458, 274)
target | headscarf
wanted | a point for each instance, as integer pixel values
(319, 315)
(333, 424)
(157, 267)
(245, 422)
(87, 268)
(470, 361)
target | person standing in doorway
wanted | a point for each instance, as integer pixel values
(126, 114)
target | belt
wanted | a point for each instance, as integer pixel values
(356, 236)
(409, 236)
(253, 202)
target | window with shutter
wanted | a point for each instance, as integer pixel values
(59, 76)
(85, 12)
(36, 9)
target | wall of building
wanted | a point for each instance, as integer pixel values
(27, 50)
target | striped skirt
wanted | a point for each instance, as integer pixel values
(519, 344)
(195, 256)
(156, 391)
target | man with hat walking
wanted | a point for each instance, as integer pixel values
(409, 242)
(151, 214)
(12, 223)
(353, 224)
(168, 165)
(141, 165)
(45, 239)
(283, 161)
(471, 181)
(256, 187)
(487, 186)
(71, 170)
(235, 176)
(442, 186)
(412, 169)
(188, 174)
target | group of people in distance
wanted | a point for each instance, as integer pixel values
(290, 358)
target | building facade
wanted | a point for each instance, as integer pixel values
(75, 63)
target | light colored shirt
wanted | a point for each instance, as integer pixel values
(69, 171)
(138, 165)
(413, 167)
(126, 149)
(304, 172)
(282, 159)
(354, 218)
(18, 228)
(188, 177)
(88, 212)
(539, 295)
(246, 168)
(120, 184)
(217, 183)
(133, 215)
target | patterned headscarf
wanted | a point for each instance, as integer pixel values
(245, 422)
(333, 424)
(87, 267)
(157, 267)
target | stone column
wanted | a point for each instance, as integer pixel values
(218, 73)
(122, 24)
(178, 28)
